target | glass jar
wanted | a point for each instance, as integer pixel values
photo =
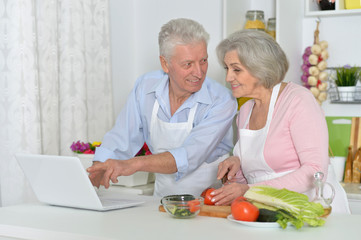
(271, 27)
(324, 195)
(255, 20)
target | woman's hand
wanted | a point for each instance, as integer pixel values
(228, 168)
(103, 172)
(226, 194)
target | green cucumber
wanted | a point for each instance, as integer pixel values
(266, 215)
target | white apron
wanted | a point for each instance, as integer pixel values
(165, 136)
(250, 148)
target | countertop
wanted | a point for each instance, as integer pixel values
(353, 190)
(38, 221)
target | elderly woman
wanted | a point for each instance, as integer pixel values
(184, 117)
(283, 137)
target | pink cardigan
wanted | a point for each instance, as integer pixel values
(297, 139)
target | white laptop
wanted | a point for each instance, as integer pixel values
(63, 181)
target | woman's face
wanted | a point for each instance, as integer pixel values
(242, 82)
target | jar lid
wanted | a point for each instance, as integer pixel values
(258, 13)
(271, 22)
(255, 11)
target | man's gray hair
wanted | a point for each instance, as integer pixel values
(180, 31)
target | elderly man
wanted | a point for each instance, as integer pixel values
(184, 117)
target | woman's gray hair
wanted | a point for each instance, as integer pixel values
(259, 53)
(180, 31)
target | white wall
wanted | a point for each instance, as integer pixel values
(134, 34)
(123, 57)
(135, 25)
(343, 34)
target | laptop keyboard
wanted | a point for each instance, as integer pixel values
(107, 202)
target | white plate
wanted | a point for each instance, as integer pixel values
(255, 224)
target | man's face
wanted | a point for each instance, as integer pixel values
(187, 68)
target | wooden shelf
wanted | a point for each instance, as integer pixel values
(312, 9)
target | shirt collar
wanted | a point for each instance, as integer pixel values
(161, 91)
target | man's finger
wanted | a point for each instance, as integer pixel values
(97, 167)
(114, 177)
(95, 181)
(106, 177)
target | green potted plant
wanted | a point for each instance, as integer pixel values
(346, 79)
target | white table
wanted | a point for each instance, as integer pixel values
(36, 221)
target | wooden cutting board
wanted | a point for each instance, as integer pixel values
(355, 138)
(210, 211)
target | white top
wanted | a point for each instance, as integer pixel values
(146, 222)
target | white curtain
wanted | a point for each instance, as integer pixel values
(55, 82)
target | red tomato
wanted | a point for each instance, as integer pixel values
(243, 210)
(203, 194)
(240, 198)
(194, 205)
(208, 197)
